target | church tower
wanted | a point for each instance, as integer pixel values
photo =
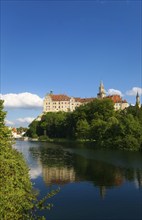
(101, 93)
(138, 100)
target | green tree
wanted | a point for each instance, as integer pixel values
(82, 129)
(53, 124)
(98, 121)
(132, 132)
(16, 189)
(102, 108)
(17, 199)
(32, 131)
(5, 133)
(98, 128)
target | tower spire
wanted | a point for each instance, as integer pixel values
(138, 100)
(101, 93)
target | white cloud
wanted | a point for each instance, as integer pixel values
(25, 120)
(114, 92)
(8, 123)
(22, 100)
(134, 91)
(35, 172)
(19, 121)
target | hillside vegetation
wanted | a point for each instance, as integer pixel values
(97, 122)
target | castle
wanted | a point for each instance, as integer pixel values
(55, 103)
(61, 102)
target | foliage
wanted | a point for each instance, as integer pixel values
(82, 129)
(21, 130)
(44, 138)
(16, 188)
(32, 132)
(18, 200)
(96, 121)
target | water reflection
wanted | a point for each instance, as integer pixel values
(62, 165)
(95, 184)
(57, 164)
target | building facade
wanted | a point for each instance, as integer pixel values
(119, 103)
(61, 102)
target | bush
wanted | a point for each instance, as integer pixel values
(17, 198)
(44, 138)
(16, 189)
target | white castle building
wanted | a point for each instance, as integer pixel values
(62, 102)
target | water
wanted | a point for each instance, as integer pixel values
(94, 184)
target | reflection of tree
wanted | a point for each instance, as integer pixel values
(61, 167)
(138, 178)
(53, 156)
(57, 165)
(102, 191)
(101, 173)
(129, 174)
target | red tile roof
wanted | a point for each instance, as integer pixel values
(59, 97)
(86, 100)
(116, 99)
(62, 97)
(77, 99)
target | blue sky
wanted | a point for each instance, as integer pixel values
(67, 47)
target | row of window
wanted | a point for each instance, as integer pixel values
(61, 102)
(65, 106)
(57, 108)
(48, 103)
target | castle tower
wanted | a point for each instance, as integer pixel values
(101, 93)
(138, 100)
(102, 191)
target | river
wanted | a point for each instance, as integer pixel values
(94, 184)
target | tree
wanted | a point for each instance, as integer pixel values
(82, 129)
(132, 132)
(16, 189)
(98, 121)
(32, 131)
(98, 128)
(5, 133)
(103, 108)
(17, 200)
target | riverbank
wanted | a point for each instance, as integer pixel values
(83, 143)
